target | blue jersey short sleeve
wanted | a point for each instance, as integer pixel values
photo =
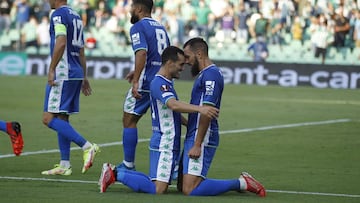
(161, 90)
(213, 82)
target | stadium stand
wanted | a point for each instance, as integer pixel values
(114, 44)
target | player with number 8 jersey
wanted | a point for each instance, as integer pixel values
(149, 38)
(149, 35)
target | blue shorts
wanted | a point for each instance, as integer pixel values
(63, 98)
(162, 164)
(200, 166)
(137, 106)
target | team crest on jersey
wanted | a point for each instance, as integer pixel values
(135, 38)
(57, 20)
(209, 86)
(164, 88)
(166, 91)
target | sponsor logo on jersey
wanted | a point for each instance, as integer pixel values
(135, 38)
(57, 20)
(164, 88)
(209, 86)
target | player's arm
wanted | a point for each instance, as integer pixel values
(204, 123)
(140, 60)
(58, 52)
(182, 107)
(86, 89)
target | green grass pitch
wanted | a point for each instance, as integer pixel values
(301, 143)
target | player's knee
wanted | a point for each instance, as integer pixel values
(160, 191)
(130, 120)
(161, 187)
(47, 117)
(186, 190)
(45, 121)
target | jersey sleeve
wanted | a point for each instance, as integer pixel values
(161, 90)
(138, 39)
(59, 24)
(214, 85)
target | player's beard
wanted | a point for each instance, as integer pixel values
(134, 19)
(195, 69)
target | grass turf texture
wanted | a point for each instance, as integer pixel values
(318, 158)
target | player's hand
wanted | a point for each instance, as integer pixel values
(129, 77)
(195, 152)
(134, 90)
(209, 111)
(85, 87)
(51, 78)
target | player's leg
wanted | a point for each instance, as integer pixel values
(133, 111)
(194, 181)
(130, 139)
(60, 101)
(13, 129)
(195, 171)
(135, 180)
(2, 126)
(161, 167)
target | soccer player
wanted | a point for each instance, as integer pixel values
(13, 129)
(66, 78)
(149, 38)
(166, 124)
(202, 137)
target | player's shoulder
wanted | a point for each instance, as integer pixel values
(146, 23)
(212, 69)
(61, 10)
(156, 81)
(213, 72)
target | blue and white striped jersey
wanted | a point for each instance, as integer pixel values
(166, 123)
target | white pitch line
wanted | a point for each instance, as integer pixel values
(221, 132)
(286, 126)
(173, 186)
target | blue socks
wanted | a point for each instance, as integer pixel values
(64, 146)
(212, 187)
(3, 126)
(64, 129)
(135, 180)
(130, 139)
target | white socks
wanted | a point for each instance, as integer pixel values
(243, 185)
(65, 164)
(86, 146)
(129, 164)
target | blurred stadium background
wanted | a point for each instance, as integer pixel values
(230, 26)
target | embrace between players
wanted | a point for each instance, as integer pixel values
(151, 46)
(157, 64)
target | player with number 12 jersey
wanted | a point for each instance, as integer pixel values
(65, 21)
(150, 35)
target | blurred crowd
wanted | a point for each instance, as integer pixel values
(322, 23)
